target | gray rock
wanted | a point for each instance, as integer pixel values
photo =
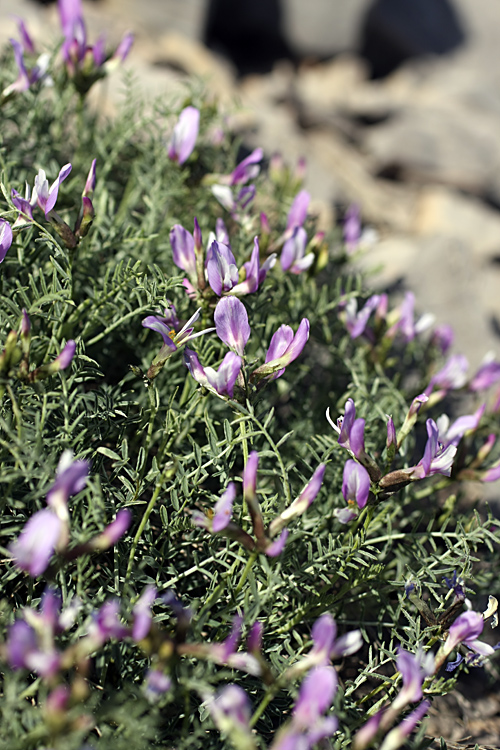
(450, 146)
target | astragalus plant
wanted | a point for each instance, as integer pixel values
(238, 489)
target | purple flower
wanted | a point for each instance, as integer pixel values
(225, 652)
(221, 381)
(184, 136)
(442, 337)
(84, 63)
(365, 736)
(231, 323)
(156, 684)
(298, 212)
(71, 478)
(345, 515)
(411, 417)
(301, 503)
(229, 644)
(230, 710)
(113, 532)
(308, 725)
(74, 47)
(451, 435)
(182, 243)
(221, 267)
(56, 703)
(437, 459)
(398, 735)
(352, 228)
(406, 323)
(224, 508)
(120, 54)
(5, 238)
(236, 205)
(456, 584)
(48, 528)
(43, 195)
(416, 405)
(316, 695)
(24, 206)
(276, 547)
(172, 340)
(26, 40)
(106, 624)
(355, 321)
(465, 630)
(355, 483)
(293, 257)
(141, 613)
(37, 542)
(23, 651)
(70, 14)
(247, 169)
(326, 645)
(254, 639)
(351, 431)
(487, 375)
(284, 348)
(491, 474)
(88, 190)
(414, 668)
(451, 376)
(255, 273)
(64, 359)
(250, 495)
(250, 475)
(25, 78)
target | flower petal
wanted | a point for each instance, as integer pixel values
(231, 323)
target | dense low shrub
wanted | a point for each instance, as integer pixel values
(197, 549)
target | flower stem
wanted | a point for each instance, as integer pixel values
(141, 528)
(246, 571)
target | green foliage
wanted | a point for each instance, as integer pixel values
(166, 447)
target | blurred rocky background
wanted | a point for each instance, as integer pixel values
(395, 104)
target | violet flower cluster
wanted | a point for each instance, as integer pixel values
(45, 197)
(414, 669)
(48, 530)
(401, 320)
(263, 540)
(231, 710)
(85, 64)
(363, 476)
(172, 340)
(33, 644)
(217, 267)
(28, 74)
(232, 191)
(232, 327)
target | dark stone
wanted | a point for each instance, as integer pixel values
(397, 30)
(248, 32)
